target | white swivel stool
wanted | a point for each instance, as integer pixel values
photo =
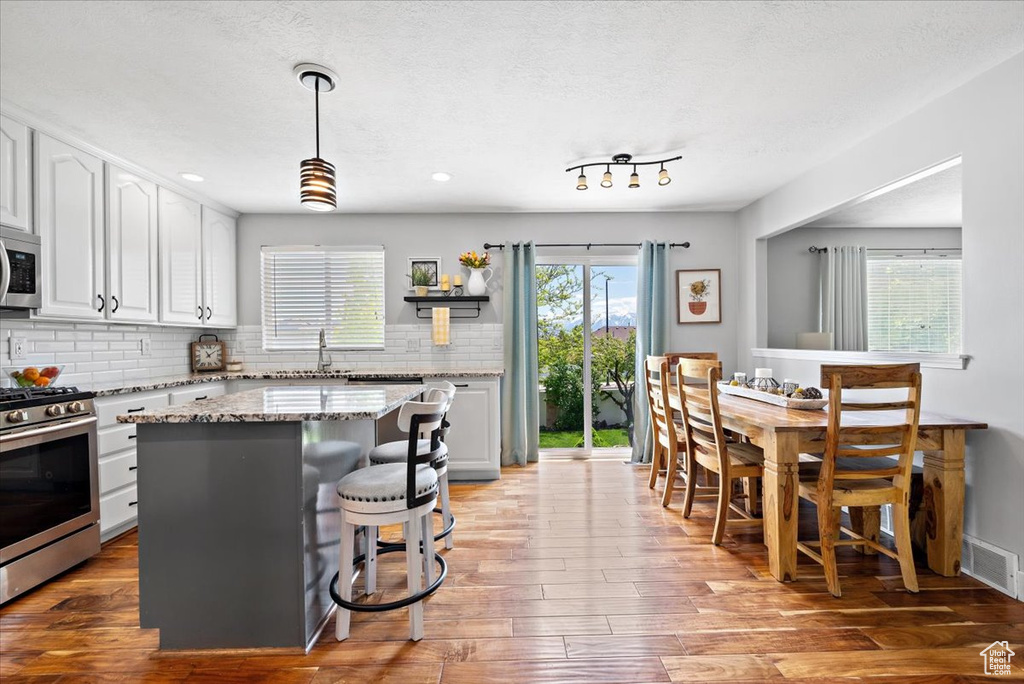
(385, 495)
(397, 452)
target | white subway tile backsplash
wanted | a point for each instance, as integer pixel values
(95, 354)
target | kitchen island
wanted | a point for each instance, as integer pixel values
(239, 529)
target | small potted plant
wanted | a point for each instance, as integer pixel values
(699, 289)
(477, 264)
(421, 279)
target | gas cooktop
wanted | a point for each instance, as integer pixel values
(26, 397)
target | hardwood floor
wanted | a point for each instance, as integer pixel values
(566, 571)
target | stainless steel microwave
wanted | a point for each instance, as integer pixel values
(20, 262)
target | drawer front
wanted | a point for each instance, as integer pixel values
(119, 508)
(109, 408)
(183, 396)
(117, 471)
(113, 439)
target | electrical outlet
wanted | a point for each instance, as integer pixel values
(19, 348)
(240, 345)
(145, 346)
(497, 342)
(412, 344)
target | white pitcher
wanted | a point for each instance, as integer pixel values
(477, 284)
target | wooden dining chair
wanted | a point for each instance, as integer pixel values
(666, 440)
(707, 445)
(871, 429)
(678, 467)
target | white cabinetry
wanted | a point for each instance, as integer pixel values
(131, 247)
(474, 440)
(219, 284)
(15, 172)
(205, 391)
(116, 446)
(69, 191)
(180, 259)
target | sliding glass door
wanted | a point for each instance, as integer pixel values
(586, 312)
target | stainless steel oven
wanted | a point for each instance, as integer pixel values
(20, 268)
(49, 489)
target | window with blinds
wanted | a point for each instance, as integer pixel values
(337, 289)
(914, 303)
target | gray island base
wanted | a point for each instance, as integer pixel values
(238, 537)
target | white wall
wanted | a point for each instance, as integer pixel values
(713, 237)
(983, 121)
(793, 271)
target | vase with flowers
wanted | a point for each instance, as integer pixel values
(477, 265)
(699, 289)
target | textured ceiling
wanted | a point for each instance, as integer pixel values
(932, 202)
(503, 95)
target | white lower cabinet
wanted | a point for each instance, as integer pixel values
(474, 440)
(204, 391)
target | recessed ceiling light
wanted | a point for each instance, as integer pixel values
(441, 176)
(189, 176)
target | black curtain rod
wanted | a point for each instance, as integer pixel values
(818, 250)
(588, 245)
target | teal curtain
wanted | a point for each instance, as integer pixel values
(520, 403)
(651, 304)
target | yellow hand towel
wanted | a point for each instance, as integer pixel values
(441, 323)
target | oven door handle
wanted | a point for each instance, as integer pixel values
(47, 429)
(5, 271)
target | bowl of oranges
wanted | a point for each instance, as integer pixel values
(37, 377)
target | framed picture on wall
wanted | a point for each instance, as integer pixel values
(424, 271)
(699, 295)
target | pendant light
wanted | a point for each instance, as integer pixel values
(623, 159)
(606, 182)
(663, 178)
(317, 187)
(581, 182)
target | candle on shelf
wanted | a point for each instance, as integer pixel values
(457, 280)
(762, 372)
(445, 283)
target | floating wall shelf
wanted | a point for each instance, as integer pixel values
(467, 303)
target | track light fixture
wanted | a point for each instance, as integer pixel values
(317, 189)
(622, 160)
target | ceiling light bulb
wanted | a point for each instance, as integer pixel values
(581, 182)
(634, 179)
(189, 176)
(441, 176)
(606, 182)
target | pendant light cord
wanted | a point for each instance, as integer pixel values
(317, 99)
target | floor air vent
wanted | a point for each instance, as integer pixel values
(994, 566)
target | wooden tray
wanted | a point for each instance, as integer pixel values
(777, 399)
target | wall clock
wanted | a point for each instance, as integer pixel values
(207, 355)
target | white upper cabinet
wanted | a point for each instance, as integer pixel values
(219, 285)
(181, 265)
(131, 247)
(15, 194)
(69, 206)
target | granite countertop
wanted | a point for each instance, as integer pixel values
(132, 386)
(286, 404)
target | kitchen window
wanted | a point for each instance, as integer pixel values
(337, 289)
(914, 302)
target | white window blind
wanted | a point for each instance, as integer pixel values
(338, 289)
(914, 303)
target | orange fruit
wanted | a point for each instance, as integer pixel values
(42, 381)
(30, 373)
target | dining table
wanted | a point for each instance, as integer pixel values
(786, 433)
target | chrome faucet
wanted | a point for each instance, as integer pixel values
(321, 364)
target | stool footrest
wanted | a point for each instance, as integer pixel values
(391, 605)
(381, 544)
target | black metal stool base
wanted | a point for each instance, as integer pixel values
(394, 546)
(391, 605)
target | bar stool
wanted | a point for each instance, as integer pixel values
(397, 452)
(385, 495)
